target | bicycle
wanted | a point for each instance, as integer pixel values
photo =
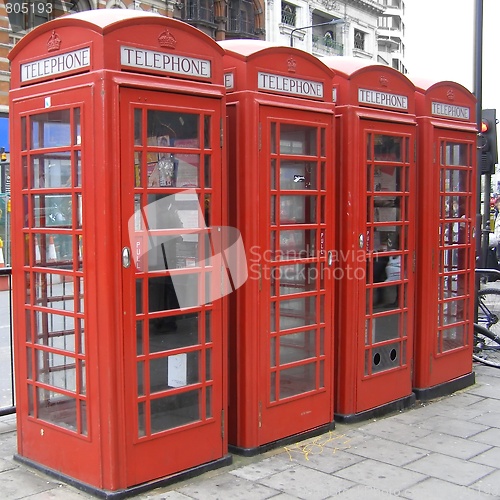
(487, 329)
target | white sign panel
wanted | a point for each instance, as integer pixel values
(177, 370)
(55, 65)
(288, 85)
(385, 99)
(163, 61)
(450, 110)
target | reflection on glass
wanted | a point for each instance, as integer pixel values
(297, 209)
(453, 337)
(57, 370)
(51, 170)
(387, 179)
(173, 411)
(57, 409)
(49, 130)
(454, 180)
(298, 175)
(297, 380)
(388, 148)
(174, 332)
(297, 312)
(77, 128)
(297, 346)
(297, 278)
(298, 244)
(298, 140)
(454, 154)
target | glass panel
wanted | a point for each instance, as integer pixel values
(456, 154)
(452, 312)
(77, 128)
(140, 378)
(138, 168)
(55, 330)
(323, 143)
(273, 352)
(187, 168)
(173, 292)
(454, 180)
(208, 326)
(272, 393)
(207, 120)
(23, 136)
(273, 174)
(273, 210)
(369, 147)
(49, 130)
(173, 411)
(77, 167)
(386, 238)
(297, 380)
(297, 312)
(24, 171)
(298, 175)
(298, 244)
(453, 207)
(53, 250)
(297, 346)
(139, 336)
(388, 148)
(385, 328)
(138, 127)
(385, 357)
(83, 417)
(54, 290)
(298, 140)
(52, 211)
(178, 370)
(297, 209)
(167, 128)
(56, 408)
(386, 209)
(56, 370)
(453, 337)
(208, 364)
(141, 411)
(52, 170)
(272, 139)
(173, 332)
(387, 179)
(297, 278)
(208, 409)
(80, 323)
(208, 171)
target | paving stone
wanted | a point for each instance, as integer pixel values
(489, 418)
(13, 483)
(396, 431)
(450, 445)
(264, 468)
(453, 426)
(451, 469)
(226, 486)
(490, 457)
(489, 436)
(387, 451)
(362, 492)
(489, 484)
(304, 483)
(486, 391)
(433, 488)
(380, 476)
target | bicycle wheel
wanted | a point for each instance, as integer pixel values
(486, 346)
(488, 309)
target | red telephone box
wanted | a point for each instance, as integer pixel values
(280, 167)
(375, 141)
(445, 238)
(117, 170)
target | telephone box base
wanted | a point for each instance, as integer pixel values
(133, 490)
(378, 411)
(446, 388)
(250, 452)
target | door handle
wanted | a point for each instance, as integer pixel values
(126, 257)
(330, 258)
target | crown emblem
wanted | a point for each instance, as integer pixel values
(168, 40)
(292, 65)
(384, 81)
(54, 42)
(451, 95)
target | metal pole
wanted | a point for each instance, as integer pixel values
(482, 236)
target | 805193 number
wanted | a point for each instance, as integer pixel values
(28, 7)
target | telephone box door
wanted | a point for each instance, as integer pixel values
(296, 322)
(171, 193)
(385, 342)
(453, 166)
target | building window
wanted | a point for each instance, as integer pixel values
(28, 14)
(288, 14)
(359, 40)
(198, 10)
(241, 17)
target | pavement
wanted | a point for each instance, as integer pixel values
(447, 448)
